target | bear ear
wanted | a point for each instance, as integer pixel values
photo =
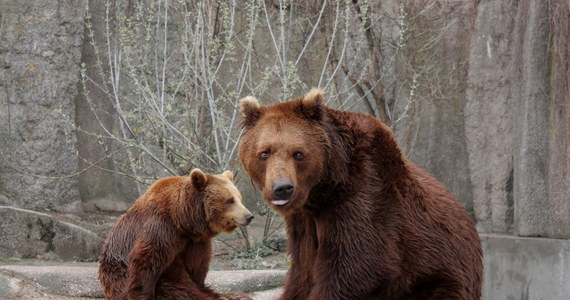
(228, 174)
(199, 179)
(312, 104)
(250, 111)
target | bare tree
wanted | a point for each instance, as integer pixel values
(173, 71)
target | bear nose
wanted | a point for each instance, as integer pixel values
(283, 189)
(248, 218)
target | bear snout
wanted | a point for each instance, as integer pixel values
(283, 189)
(248, 218)
(244, 219)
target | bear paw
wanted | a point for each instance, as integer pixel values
(236, 296)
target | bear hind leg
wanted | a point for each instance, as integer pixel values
(438, 288)
(173, 291)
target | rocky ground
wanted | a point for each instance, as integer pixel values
(78, 281)
(231, 251)
(257, 266)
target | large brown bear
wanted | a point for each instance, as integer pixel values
(363, 222)
(162, 247)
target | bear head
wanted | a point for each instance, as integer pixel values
(284, 148)
(222, 201)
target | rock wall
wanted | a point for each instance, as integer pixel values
(489, 117)
(98, 187)
(489, 101)
(496, 132)
(432, 133)
(516, 125)
(30, 235)
(40, 47)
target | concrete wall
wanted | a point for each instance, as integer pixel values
(526, 268)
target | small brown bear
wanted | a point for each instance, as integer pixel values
(363, 222)
(162, 246)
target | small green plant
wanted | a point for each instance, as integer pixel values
(251, 258)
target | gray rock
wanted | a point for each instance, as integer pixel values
(530, 90)
(106, 204)
(559, 127)
(525, 268)
(516, 121)
(81, 281)
(515, 268)
(97, 185)
(489, 118)
(267, 295)
(40, 54)
(67, 281)
(489, 101)
(9, 286)
(29, 234)
(245, 280)
(432, 132)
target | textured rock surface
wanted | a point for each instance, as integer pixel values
(515, 268)
(543, 158)
(67, 281)
(505, 145)
(526, 268)
(559, 125)
(9, 287)
(40, 52)
(433, 134)
(98, 187)
(29, 234)
(531, 89)
(489, 117)
(489, 101)
(81, 281)
(516, 124)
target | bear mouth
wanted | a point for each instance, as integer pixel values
(279, 202)
(241, 224)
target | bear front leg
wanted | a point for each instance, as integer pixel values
(183, 287)
(214, 295)
(353, 260)
(152, 253)
(236, 296)
(302, 248)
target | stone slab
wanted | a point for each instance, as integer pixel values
(30, 234)
(526, 268)
(81, 281)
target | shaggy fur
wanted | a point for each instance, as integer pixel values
(161, 248)
(363, 222)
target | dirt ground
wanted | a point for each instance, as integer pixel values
(231, 251)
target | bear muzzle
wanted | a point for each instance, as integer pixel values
(282, 189)
(244, 219)
(248, 219)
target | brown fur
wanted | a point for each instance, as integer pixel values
(161, 248)
(363, 222)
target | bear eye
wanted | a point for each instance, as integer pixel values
(230, 201)
(264, 155)
(298, 155)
